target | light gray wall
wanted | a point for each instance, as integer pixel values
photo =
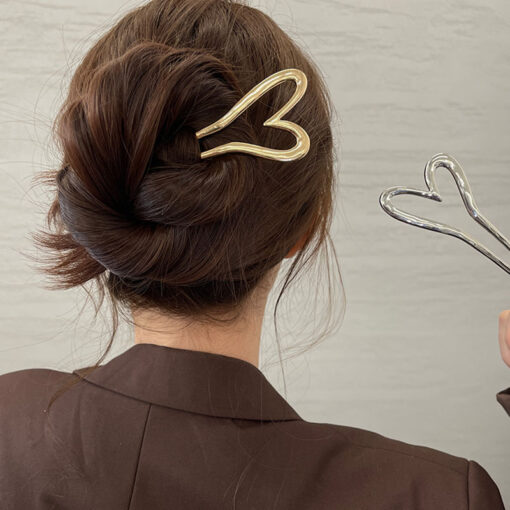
(416, 357)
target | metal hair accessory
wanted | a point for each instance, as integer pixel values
(302, 139)
(444, 160)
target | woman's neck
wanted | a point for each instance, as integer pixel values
(240, 340)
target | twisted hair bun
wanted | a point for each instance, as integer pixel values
(136, 209)
(134, 186)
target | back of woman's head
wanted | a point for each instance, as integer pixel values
(137, 210)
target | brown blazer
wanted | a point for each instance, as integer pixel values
(159, 428)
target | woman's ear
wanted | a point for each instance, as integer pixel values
(301, 241)
(297, 246)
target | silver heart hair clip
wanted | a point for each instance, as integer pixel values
(446, 161)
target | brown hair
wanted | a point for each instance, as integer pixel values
(137, 211)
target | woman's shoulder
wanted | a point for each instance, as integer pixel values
(385, 445)
(373, 444)
(20, 387)
(362, 455)
(31, 377)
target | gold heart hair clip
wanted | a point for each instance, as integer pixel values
(302, 139)
(444, 160)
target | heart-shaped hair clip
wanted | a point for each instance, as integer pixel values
(444, 160)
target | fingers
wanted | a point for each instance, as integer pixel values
(504, 335)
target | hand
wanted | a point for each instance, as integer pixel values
(504, 335)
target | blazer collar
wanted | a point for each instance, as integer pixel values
(195, 381)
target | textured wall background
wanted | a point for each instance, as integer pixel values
(417, 355)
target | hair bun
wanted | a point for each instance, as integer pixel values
(129, 139)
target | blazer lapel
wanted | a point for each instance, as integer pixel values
(194, 381)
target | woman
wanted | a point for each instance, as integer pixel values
(190, 242)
